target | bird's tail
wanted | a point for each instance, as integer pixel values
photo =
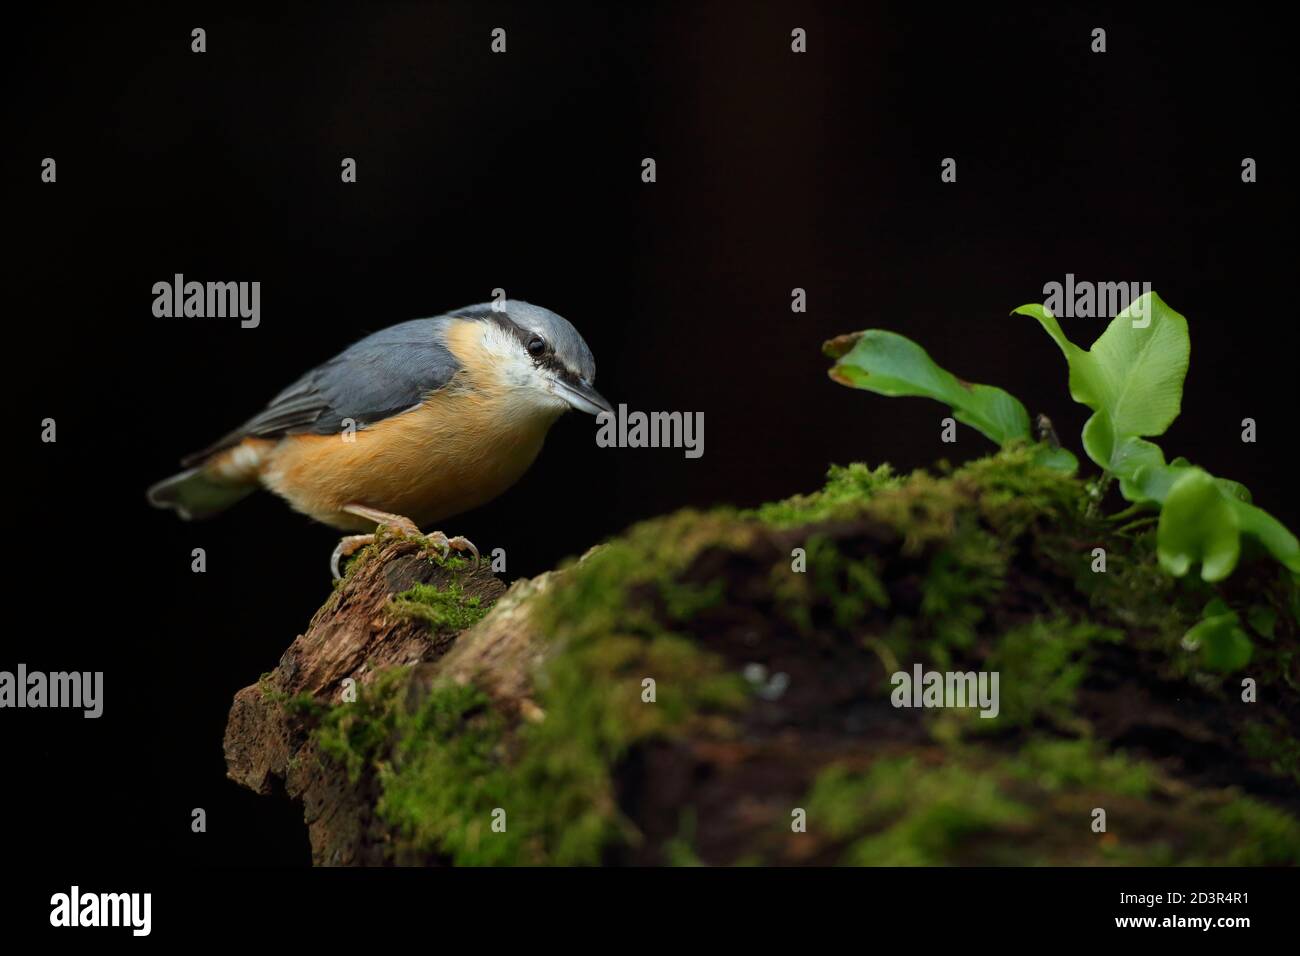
(194, 494)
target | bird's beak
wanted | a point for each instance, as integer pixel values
(580, 395)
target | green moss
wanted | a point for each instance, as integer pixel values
(903, 813)
(1055, 764)
(921, 509)
(1015, 493)
(1275, 745)
(964, 578)
(303, 704)
(447, 778)
(851, 585)
(267, 689)
(1265, 835)
(438, 763)
(357, 734)
(684, 601)
(964, 526)
(1040, 665)
(792, 596)
(446, 766)
(847, 488)
(983, 807)
(382, 535)
(985, 567)
(446, 608)
(609, 640)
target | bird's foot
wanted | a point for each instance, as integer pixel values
(401, 526)
(446, 545)
(348, 546)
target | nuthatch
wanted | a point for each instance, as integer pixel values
(411, 425)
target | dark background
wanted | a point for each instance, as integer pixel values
(522, 171)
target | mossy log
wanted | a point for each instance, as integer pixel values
(716, 688)
(363, 630)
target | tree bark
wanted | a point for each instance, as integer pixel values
(1184, 769)
(354, 635)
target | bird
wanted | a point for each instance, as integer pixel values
(409, 426)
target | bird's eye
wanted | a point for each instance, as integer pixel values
(536, 346)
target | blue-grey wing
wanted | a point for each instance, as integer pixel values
(382, 375)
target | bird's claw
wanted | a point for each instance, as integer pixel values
(348, 546)
(446, 545)
(352, 543)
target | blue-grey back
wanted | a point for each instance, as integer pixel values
(389, 372)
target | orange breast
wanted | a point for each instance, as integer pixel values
(462, 447)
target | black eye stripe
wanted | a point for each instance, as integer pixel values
(547, 358)
(524, 336)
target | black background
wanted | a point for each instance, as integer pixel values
(522, 171)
